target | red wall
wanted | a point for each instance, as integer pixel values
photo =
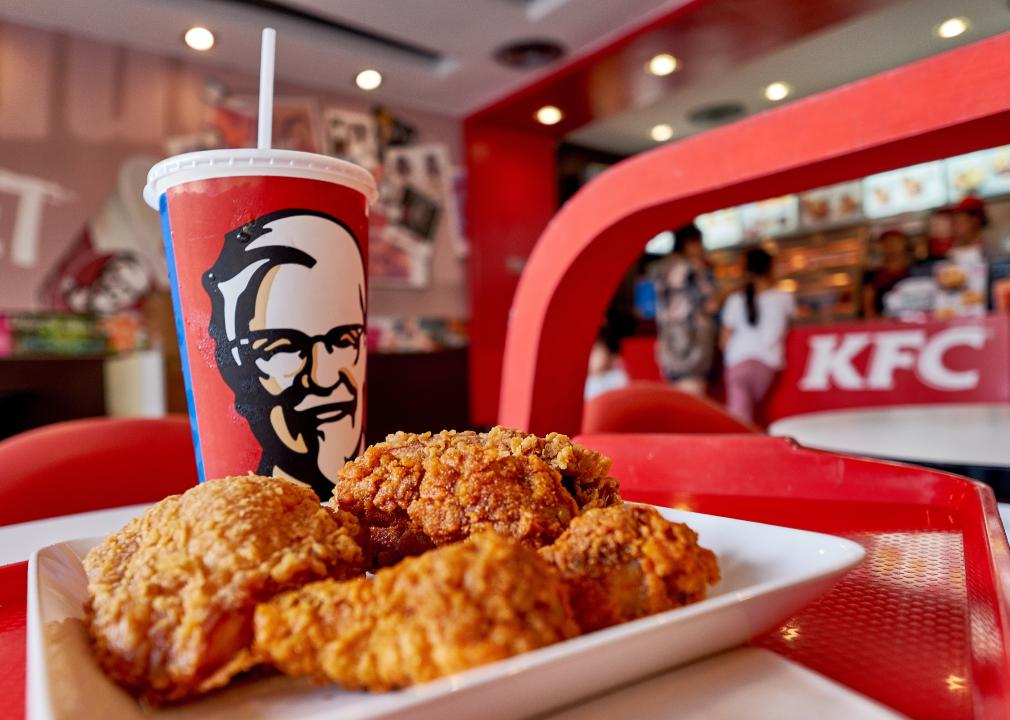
(511, 196)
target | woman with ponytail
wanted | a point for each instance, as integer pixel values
(755, 321)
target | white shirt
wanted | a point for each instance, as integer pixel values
(764, 341)
(613, 379)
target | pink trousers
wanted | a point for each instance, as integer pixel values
(747, 384)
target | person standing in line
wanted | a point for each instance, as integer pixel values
(755, 322)
(685, 309)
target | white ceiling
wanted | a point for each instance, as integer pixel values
(900, 33)
(465, 32)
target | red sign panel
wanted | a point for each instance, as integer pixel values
(869, 364)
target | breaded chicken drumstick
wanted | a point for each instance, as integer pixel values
(449, 610)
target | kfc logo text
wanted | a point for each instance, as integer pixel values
(831, 357)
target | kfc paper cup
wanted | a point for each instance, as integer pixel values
(267, 253)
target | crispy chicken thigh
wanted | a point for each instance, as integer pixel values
(415, 492)
(172, 594)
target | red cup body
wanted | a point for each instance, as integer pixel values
(269, 284)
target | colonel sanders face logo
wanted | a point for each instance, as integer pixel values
(288, 320)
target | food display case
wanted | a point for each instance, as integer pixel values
(824, 270)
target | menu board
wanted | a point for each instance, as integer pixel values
(832, 205)
(919, 187)
(720, 229)
(770, 218)
(984, 173)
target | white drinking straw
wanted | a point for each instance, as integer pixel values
(266, 117)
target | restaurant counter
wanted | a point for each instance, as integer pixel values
(876, 363)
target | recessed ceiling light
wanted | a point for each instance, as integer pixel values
(663, 64)
(778, 91)
(199, 38)
(661, 133)
(952, 28)
(717, 113)
(549, 115)
(368, 79)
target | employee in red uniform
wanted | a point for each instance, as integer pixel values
(896, 254)
(970, 222)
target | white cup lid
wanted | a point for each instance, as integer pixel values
(208, 164)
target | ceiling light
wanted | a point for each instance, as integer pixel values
(368, 79)
(663, 64)
(661, 133)
(717, 113)
(199, 38)
(549, 115)
(952, 28)
(778, 91)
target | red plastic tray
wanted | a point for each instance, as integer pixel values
(921, 625)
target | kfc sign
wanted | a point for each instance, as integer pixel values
(884, 363)
(829, 363)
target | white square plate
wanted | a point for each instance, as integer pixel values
(769, 573)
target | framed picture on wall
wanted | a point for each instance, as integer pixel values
(420, 213)
(416, 211)
(297, 124)
(351, 136)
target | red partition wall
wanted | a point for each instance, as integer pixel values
(511, 196)
(948, 104)
(639, 357)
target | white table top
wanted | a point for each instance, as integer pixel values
(18, 542)
(742, 683)
(976, 434)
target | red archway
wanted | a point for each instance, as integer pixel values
(948, 104)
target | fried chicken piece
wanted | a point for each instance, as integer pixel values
(473, 488)
(584, 472)
(451, 609)
(414, 492)
(626, 562)
(172, 594)
(378, 486)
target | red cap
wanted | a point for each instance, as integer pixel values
(970, 204)
(973, 206)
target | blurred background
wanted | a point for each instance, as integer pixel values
(479, 120)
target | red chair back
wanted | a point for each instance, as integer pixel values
(638, 355)
(91, 464)
(653, 407)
